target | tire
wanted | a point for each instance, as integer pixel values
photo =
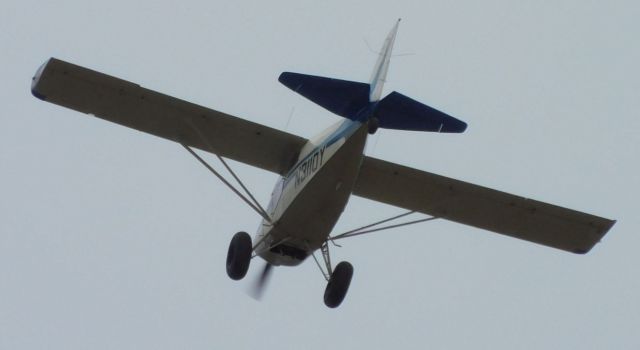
(239, 255)
(373, 125)
(338, 285)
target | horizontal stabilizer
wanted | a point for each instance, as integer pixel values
(397, 111)
(342, 97)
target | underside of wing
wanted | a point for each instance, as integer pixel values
(131, 105)
(480, 207)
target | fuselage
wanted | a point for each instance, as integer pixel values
(307, 202)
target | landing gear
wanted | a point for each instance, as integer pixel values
(338, 279)
(338, 284)
(239, 255)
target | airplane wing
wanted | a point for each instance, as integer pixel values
(131, 105)
(480, 207)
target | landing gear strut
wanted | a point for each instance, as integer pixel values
(239, 255)
(338, 279)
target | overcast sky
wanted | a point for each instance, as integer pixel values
(114, 239)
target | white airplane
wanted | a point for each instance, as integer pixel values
(317, 176)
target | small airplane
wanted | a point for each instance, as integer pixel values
(317, 176)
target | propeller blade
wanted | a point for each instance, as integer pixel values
(260, 284)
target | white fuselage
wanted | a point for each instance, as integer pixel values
(307, 202)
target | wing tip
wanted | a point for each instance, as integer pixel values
(581, 251)
(604, 229)
(35, 81)
(38, 95)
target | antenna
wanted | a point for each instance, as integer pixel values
(381, 68)
(369, 47)
(286, 127)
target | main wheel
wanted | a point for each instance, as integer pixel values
(338, 284)
(239, 255)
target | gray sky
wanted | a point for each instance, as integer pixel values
(110, 238)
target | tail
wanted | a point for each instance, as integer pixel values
(379, 75)
(361, 101)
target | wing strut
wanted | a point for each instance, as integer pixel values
(254, 205)
(368, 228)
(324, 249)
(206, 142)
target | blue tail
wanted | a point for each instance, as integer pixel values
(361, 101)
(342, 97)
(397, 111)
(350, 99)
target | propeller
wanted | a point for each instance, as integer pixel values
(258, 287)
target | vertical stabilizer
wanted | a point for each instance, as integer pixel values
(379, 74)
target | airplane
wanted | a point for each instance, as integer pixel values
(317, 176)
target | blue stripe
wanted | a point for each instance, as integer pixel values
(345, 130)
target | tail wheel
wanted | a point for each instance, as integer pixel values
(239, 255)
(338, 284)
(373, 125)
